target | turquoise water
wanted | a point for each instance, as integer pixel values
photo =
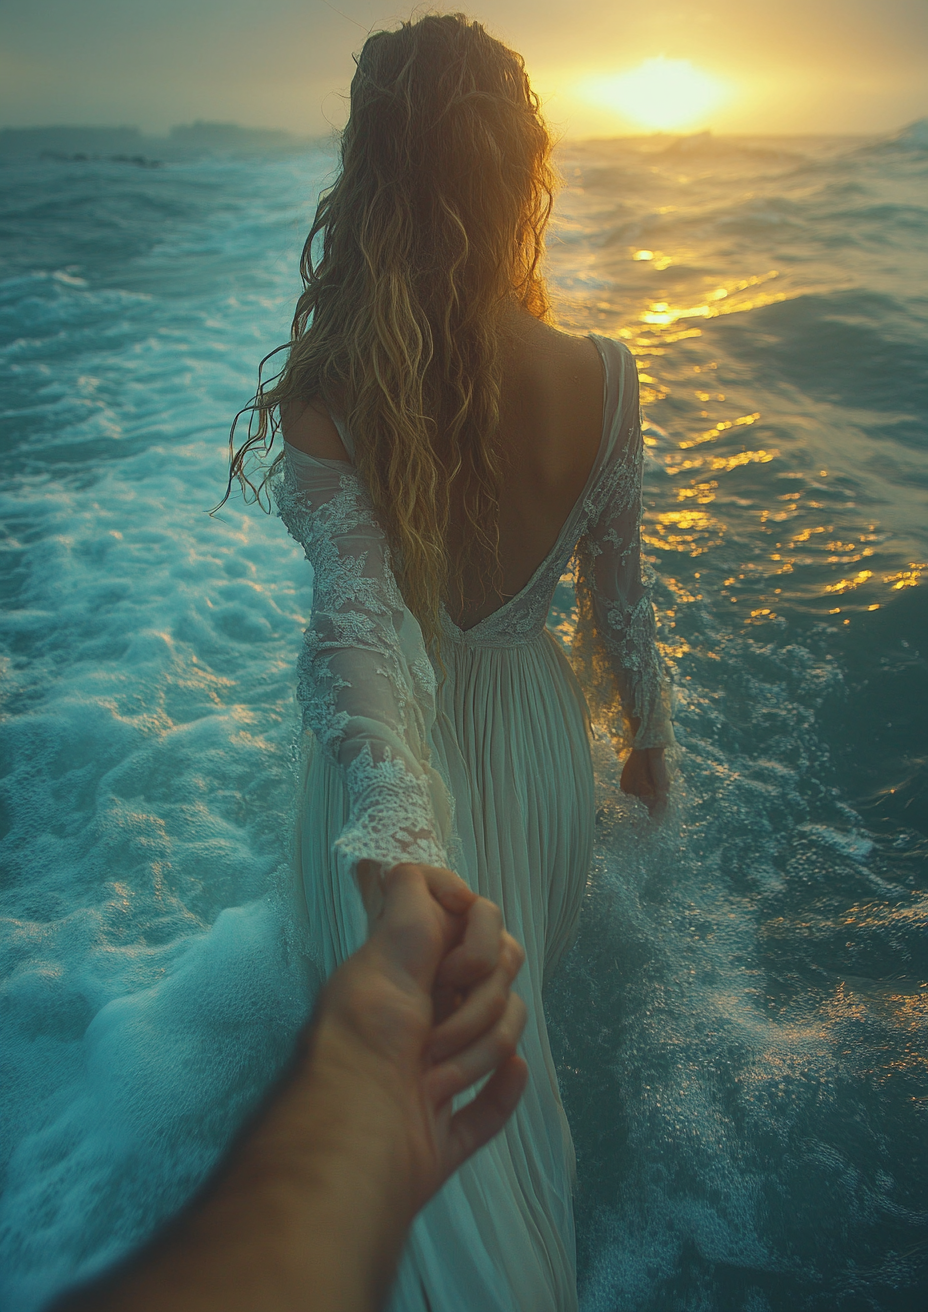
(741, 1031)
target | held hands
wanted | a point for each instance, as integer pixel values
(428, 1001)
(315, 1201)
(644, 776)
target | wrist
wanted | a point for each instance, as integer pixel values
(357, 1104)
(321, 1188)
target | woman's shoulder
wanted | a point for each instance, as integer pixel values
(310, 428)
(589, 351)
(614, 347)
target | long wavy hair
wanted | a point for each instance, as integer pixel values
(434, 225)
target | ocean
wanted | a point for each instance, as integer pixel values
(742, 1028)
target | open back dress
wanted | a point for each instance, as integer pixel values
(486, 771)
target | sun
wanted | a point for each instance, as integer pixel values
(660, 93)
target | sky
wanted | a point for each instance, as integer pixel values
(602, 67)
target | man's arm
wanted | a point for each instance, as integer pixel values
(316, 1198)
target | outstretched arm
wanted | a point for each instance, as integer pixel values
(314, 1203)
(365, 681)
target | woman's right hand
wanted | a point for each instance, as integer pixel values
(645, 776)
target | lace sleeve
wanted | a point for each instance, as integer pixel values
(618, 596)
(366, 684)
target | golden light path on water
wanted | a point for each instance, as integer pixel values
(785, 572)
(695, 532)
(801, 562)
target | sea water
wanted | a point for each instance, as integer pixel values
(742, 1028)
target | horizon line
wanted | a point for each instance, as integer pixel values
(309, 136)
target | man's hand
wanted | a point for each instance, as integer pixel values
(425, 1011)
(644, 776)
(313, 1204)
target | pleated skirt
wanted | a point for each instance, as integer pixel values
(511, 736)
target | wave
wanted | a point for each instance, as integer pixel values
(913, 137)
(723, 1059)
(910, 140)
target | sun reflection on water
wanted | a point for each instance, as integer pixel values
(784, 590)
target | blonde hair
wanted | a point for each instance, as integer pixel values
(435, 223)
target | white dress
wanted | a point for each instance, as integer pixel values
(487, 772)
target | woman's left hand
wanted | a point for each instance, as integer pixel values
(645, 776)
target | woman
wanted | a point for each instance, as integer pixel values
(447, 453)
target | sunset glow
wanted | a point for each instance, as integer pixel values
(661, 94)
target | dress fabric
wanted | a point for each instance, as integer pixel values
(487, 771)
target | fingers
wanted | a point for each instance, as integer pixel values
(478, 952)
(645, 776)
(660, 783)
(413, 931)
(478, 1122)
(490, 1050)
(482, 1007)
(658, 765)
(418, 899)
(369, 882)
(656, 802)
(657, 806)
(636, 777)
(448, 889)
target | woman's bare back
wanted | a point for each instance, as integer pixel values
(551, 418)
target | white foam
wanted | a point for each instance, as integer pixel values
(147, 769)
(149, 745)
